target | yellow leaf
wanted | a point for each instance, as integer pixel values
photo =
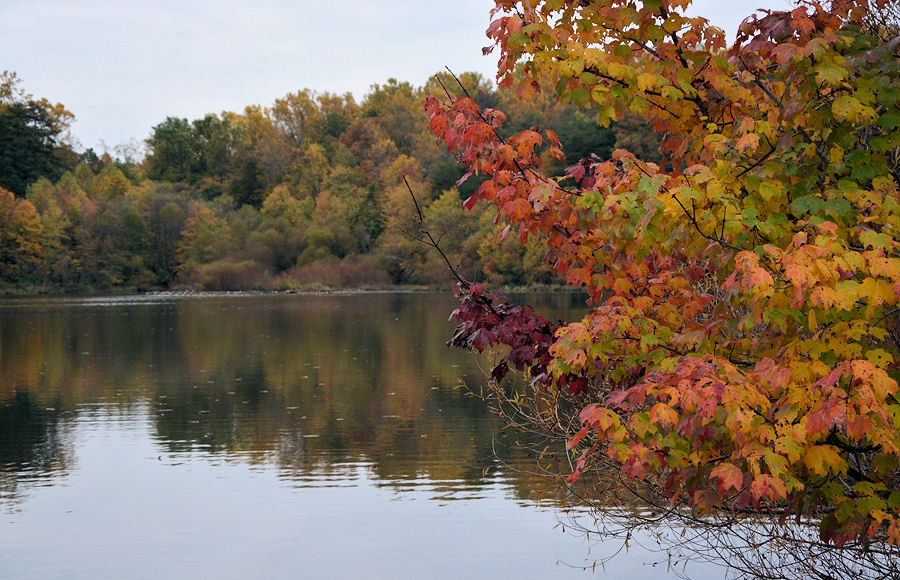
(771, 189)
(830, 73)
(822, 459)
(846, 292)
(846, 108)
(877, 291)
(748, 142)
(647, 81)
(879, 357)
(616, 70)
(837, 155)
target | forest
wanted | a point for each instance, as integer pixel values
(306, 193)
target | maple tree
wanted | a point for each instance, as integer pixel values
(740, 352)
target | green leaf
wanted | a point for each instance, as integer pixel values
(810, 204)
(867, 505)
(889, 122)
(876, 240)
(839, 207)
(830, 73)
(580, 96)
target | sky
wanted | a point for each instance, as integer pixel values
(123, 66)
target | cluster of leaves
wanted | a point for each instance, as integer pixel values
(487, 319)
(742, 342)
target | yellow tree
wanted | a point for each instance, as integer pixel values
(20, 235)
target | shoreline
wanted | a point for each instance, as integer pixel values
(191, 293)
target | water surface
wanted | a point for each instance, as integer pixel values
(265, 436)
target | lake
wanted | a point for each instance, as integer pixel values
(269, 436)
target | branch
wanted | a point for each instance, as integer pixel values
(429, 240)
(501, 139)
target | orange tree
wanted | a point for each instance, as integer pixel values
(741, 348)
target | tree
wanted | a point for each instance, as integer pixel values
(739, 353)
(20, 237)
(30, 136)
(296, 116)
(55, 255)
(172, 150)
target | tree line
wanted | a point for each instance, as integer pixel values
(306, 193)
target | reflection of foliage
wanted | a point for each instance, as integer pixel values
(301, 382)
(31, 443)
(752, 547)
(29, 435)
(345, 376)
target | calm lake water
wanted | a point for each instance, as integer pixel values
(267, 437)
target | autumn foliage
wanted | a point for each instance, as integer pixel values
(741, 345)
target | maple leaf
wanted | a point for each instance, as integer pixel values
(748, 142)
(727, 476)
(663, 415)
(767, 487)
(877, 291)
(577, 437)
(846, 108)
(824, 459)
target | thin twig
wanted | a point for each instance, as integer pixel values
(429, 239)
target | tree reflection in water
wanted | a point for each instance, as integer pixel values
(329, 389)
(33, 446)
(306, 384)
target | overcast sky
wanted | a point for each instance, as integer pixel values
(123, 66)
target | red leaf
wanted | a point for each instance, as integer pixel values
(727, 477)
(576, 171)
(577, 437)
(768, 487)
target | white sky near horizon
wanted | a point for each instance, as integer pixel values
(123, 66)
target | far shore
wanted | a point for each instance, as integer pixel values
(312, 291)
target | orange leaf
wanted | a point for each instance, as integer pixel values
(748, 142)
(577, 437)
(664, 415)
(767, 486)
(727, 476)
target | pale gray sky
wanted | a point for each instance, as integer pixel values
(123, 66)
